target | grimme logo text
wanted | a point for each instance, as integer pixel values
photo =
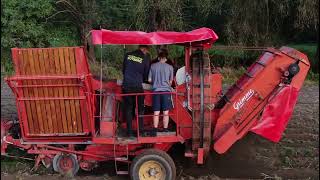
(243, 100)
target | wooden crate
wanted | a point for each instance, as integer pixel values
(54, 106)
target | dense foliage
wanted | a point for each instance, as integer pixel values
(45, 23)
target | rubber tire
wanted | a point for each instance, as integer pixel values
(155, 155)
(56, 166)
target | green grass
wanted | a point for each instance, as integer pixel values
(10, 164)
(230, 75)
(309, 49)
(227, 53)
(6, 67)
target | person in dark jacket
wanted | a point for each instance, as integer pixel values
(136, 66)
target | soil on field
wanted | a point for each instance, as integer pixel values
(295, 157)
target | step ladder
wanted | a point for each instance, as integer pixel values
(121, 159)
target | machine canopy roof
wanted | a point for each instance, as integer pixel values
(204, 35)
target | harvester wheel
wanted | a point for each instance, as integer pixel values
(66, 164)
(153, 164)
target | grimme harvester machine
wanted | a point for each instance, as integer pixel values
(70, 120)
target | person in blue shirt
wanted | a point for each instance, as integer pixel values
(161, 77)
(136, 66)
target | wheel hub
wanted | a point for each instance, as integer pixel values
(66, 163)
(152, 170)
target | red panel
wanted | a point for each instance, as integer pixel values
(81, 62)
(22, 114)
(106, 128)
(200, 155)
(276, 114)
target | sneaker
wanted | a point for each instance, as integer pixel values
(143, 134)
(130, 135)
(131, 138)
(153, 133)
(141, 131)
(165, 130)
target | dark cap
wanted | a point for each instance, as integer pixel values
(163, 52)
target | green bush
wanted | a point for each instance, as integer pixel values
(112, 58)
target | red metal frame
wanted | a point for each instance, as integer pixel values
(14, 84)
(38, 144)
(225, 122)
(173, 114)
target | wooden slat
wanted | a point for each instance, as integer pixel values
(41, 104)
(79, 56)
(36, 93)
(25, 91)
(48, 117)
(70, 90)
(60, 92)
(29, 92)
(52, 125)
(21, 104)
(57, 107)
(65, 91)
(75, 89)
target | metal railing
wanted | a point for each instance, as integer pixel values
(116, 98)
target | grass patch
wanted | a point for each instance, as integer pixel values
(230, 75)
(11, 165)
(6, 67)
(312, 77)
(309, 49)
(108, 72)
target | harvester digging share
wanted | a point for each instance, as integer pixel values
(70, 120)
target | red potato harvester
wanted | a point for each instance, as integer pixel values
(69, 120)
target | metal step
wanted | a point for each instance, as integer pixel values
(198, 95)
(173, 133)
(198, 108)
(198, 85)
(121, 159)
(122, 172)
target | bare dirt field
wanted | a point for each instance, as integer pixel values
(295, 157)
